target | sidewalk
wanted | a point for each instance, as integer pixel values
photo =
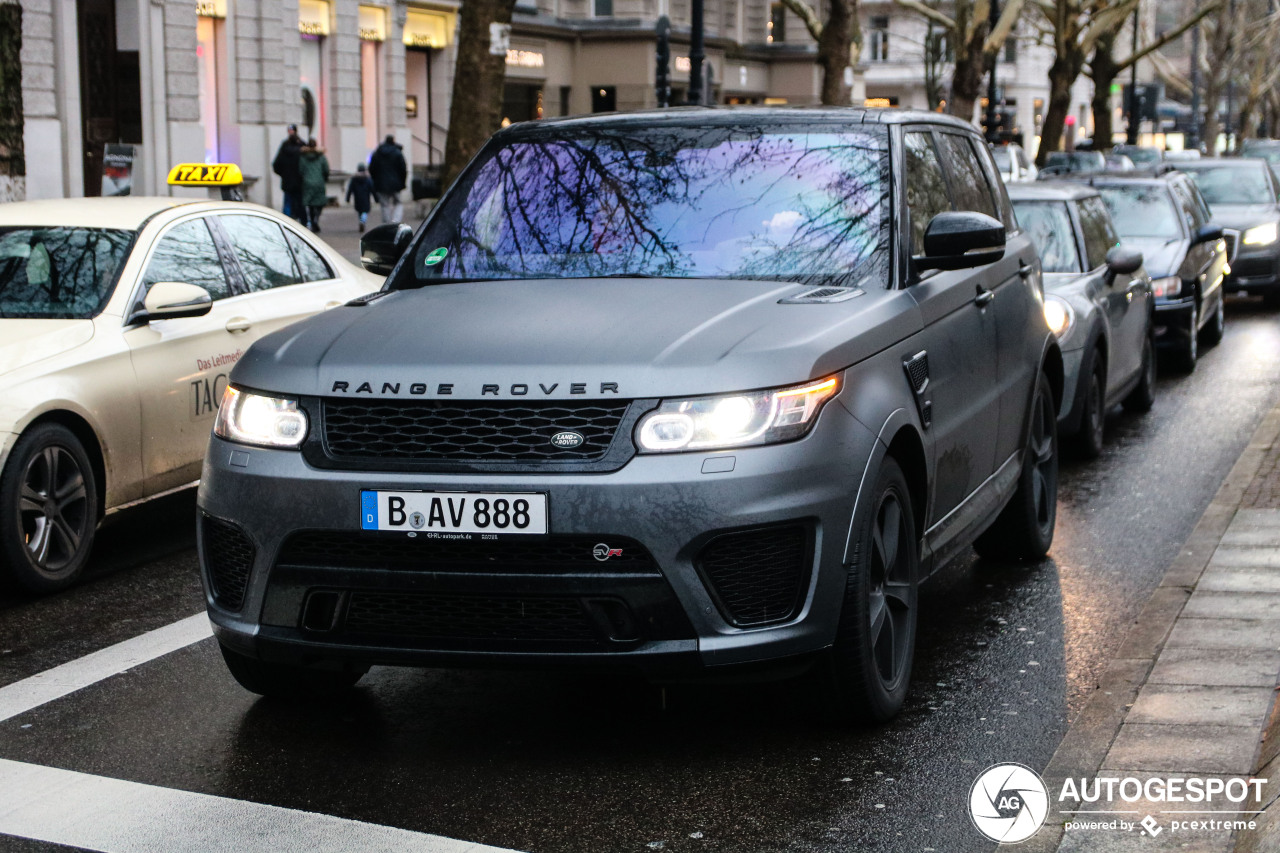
(1191, 691)
(339, 226)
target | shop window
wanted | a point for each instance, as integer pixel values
(604, 99)
(777, 27)
(878, 39)
(602, 8)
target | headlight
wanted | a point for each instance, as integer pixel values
(1166, 288)
(250, 418)
(1261, 235)
(735, 420)
(1059, 316)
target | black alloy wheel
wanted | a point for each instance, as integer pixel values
(48, 509)
(1190, 353)
(1024, 528)
(1214, 329)
(870, 662)
(1143, 397)
(1093, 415)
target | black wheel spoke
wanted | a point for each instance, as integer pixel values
(879, 613)
(70, 538)
(72, 491)
(30, 500)
(898, 595)
(885, 648)
(39, 542)
(890, 526)
(50, 457)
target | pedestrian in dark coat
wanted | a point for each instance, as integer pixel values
(286, 165)
(389, 172)
(315, 172)
(360, 188)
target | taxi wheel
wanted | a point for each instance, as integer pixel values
(870, 661)
(286, 681)
(48, 509)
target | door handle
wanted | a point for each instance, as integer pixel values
(984, 297)
(1025, 269)
(239, 324)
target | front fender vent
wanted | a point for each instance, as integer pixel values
(822, 295)
(917, 368)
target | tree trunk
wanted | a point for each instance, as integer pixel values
(1103, 71)
(1062, 74)
(966, 85)
(836, 47)
(1212, 100)
(13, 164)
(477, 84)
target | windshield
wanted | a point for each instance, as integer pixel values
(59, 273)
(1234, 183)
(674, 202)
(1049, 224)
(1142, 211)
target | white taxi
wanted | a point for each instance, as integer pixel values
(120, 319)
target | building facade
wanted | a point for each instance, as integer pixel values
(219, 80)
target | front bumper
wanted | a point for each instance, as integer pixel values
(1173, 320)
(1254, 271)
(673, 619)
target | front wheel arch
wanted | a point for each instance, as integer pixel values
(88, 437)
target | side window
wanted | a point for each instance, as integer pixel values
(1099, 233)
(312, 266)
(926, 185)
(187, 253)
(260, 247)
(1189, 207)
(972, 188)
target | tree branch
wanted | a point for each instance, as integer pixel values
(1110, 18)
(807, 15)
(1172, 34)
(1004, 25)
(929, 12)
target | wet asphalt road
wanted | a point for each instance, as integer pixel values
(574, 764)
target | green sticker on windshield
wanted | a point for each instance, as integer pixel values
(436, 256)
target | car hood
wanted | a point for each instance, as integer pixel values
(1242, 216)
(1160, 257)
(24, 342)
(550, 339)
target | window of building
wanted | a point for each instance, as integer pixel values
(776, 31)
(602, 8)
(1011, 49)
(878, 39)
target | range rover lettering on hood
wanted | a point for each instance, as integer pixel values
(445, 389)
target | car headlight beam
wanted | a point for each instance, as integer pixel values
(1261, 235)
(248, 418)
(734, 420)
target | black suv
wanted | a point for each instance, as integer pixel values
(1163, 215)
(683, 391)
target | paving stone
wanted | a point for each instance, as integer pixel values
(1239, 580)
(1217, 667)
(1183, 749)
(1227, 605)
(1246, 557)
(1202, 706)
(1225, 634)
(1251, 537)
(1256, 518)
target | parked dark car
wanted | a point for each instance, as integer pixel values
(1242, 196)
(1163, 216)
(1097, 301)
(686, 391)
(1058, 163)
(1267, 149)
(1142, 156)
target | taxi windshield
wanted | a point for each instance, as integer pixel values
(59, 273)
(793, 204)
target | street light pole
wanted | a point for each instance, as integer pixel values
(696, 55)
(1196, 126)
(1134, 119)
(993, 17)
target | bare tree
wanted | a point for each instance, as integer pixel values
(935, 62)
(1260, 73)
(1104, 68)
(839, 41)
(477, 84)
(975, 42)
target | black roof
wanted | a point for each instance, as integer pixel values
(1161, 175)
(756, 115)
(1050, 191)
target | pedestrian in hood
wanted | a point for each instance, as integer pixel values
(286, 165)
(389, 171)
(361, 189)
(315, 172)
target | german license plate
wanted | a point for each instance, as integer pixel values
(454, 512)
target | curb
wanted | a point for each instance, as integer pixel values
(1090, 738)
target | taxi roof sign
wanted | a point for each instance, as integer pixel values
(205, 175)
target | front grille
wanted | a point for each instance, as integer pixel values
(449, 431)
(757, 576)
(464, 617)
(228, 555)
(513, 555)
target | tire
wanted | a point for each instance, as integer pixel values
(1093, 415)
(1143, 397)
(1190, 352)
(48, 510)
(1024, 528)
(869, 665)
(286, 681)
(1211, 334)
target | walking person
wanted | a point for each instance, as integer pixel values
(388, 170)
(315, 172)
(360, 187)
(286, 165)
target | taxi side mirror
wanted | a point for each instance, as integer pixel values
(169, 300)
(382, 247)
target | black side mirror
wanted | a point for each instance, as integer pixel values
(1122, 261)
(960, 240)
(381, 247)
(1206, 234)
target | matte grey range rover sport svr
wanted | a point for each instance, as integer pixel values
(695, 391)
